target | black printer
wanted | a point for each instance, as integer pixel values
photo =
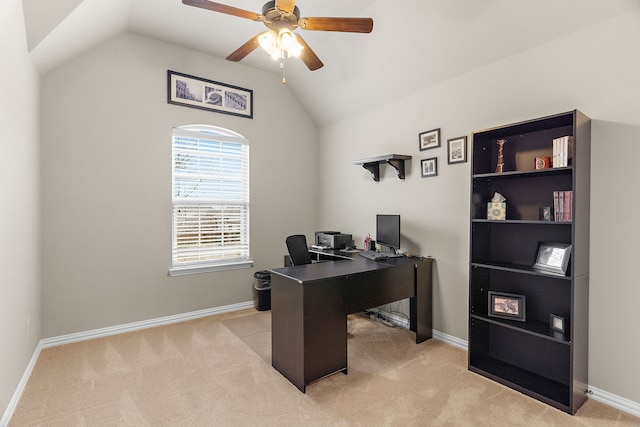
(333, 239)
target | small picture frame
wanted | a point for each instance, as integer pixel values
(507, 306)
(556, 323)
(429, 139)
(544, 213)
(429, 167)
(457, 150)
(553, 258)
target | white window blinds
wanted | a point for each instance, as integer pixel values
(210, 202)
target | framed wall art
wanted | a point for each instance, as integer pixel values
(196, 92)
(457, 150)
(429, 167)
(429, 139)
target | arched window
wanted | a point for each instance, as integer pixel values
(210, 200)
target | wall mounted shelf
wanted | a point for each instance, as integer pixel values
(373, 164)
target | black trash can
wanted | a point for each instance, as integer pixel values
(262, 290)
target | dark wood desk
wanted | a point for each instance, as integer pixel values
(310, 304)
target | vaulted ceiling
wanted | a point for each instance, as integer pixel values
(414, 44)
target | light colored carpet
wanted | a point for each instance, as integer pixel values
(216, 371)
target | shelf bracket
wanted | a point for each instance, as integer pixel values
(374, 168)
(373, 164)
(397, 165)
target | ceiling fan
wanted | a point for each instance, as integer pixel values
(282, 17)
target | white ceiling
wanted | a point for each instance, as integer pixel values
(414, 43)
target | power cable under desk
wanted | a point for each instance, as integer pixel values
(392, 318)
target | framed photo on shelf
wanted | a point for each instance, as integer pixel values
(553, 258)
(196, 92)
(429, 167)
(507, 306)
(544, 213)
(457, 150)
(429, 139)
(556, 323)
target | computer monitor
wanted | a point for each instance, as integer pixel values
(388, 231)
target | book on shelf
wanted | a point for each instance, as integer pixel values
(562, 151)
(562, 206)
(568, 203)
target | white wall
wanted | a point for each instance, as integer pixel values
(594, 70)
(20, 211)
(106, 149)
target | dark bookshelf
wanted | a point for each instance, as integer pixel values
(529, 356)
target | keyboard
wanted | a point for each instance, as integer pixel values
(372, 255)
(394, 255)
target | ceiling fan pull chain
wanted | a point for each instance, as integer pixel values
(282, 67)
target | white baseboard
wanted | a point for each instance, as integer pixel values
(104, 332)
(617, 402)
(144, 324)
(602, 396)
(21, 385)
(450, 339)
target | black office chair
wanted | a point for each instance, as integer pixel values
(298, 249)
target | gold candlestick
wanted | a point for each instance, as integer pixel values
(500, 167)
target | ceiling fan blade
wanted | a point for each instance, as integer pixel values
(222, 8)
(347, 25)
(245, 49)
(286, 5)
(308, 56)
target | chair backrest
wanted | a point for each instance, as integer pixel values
(298, 249)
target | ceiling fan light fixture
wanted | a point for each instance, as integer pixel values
(286, 39)
(276, 54)
(295, 51)
(282, 17)
(268, 41)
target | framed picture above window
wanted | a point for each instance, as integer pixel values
(429, 139)
(457, 150)
(196, 92)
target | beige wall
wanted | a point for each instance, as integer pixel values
(106, 171)
(19, 209)
(106, 183)
(594, 70)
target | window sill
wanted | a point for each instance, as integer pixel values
(197, 269)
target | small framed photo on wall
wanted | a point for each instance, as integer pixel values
(457, 150)
(429, 139)
(429, 167)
